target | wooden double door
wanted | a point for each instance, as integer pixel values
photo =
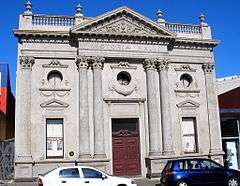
(126, 150)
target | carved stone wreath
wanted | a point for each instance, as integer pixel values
(125, 90)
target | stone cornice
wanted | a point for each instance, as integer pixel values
(172, 42)
(40, 33)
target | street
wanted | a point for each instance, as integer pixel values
(140, 182)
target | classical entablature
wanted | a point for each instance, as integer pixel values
(122, 21)
(122, 24)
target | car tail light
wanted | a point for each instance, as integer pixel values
(168, 173)
(40, 183)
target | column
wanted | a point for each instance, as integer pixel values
(84, 140)
(23, 110)
(165, 107)
(213, 111)
(152, 103)
(99, 146)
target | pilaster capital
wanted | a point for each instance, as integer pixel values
(149, 64)
(97, 62)
(26, 62)
(162, 64)
(208, 67)
(82, 62)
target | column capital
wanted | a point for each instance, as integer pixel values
(82, 62)
(208, 67)
(162, 64)
(26, 62)
(97, 62)
(149, 64)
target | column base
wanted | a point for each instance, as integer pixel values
(24, 158)
(100, 156)
(168, 153)
(155, 154)
(23, 171)
(85, 156)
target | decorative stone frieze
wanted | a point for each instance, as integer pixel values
(27, 62)
(208, 67)
(185, 68)
(55, 64)
(123, 65)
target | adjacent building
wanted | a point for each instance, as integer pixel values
(7, 105)
(118, 91)
(229, 103)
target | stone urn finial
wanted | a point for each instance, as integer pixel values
(28, 8)
(79, 11)
(202, 19)
(160, 17)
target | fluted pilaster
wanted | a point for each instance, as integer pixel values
(163, 66)
(23, 110)
(152, 103)
(82, 63)
(99, 146)
(213, 111)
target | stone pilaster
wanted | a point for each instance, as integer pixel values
(23, 119)
(99, 146)
(84, 140)
(213, 111)
(165, 107)
(152, 103)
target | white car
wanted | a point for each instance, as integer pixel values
(81, 176)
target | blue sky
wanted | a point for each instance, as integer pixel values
(222, 15)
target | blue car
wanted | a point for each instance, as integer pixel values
(198, 171)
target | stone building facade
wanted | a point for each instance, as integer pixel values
(119, 92)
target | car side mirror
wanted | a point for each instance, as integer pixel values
(104, 177)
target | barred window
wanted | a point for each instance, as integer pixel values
(189, 134)
(54, 142)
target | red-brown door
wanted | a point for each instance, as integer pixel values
(126, 154)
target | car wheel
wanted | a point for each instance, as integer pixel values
(182, 183)
(233, 182)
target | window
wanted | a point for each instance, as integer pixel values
(186, 80)
(69, 173)
(54, 138)
(90, 173)
(124, 78)
(55, 78)
(188, 135)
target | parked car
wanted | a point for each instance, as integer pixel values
(185, 172)
(81, 176)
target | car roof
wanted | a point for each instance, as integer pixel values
(184, 159)
(76, 166)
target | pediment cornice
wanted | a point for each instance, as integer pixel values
(122, 21)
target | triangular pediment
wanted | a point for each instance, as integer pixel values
(54, 103)
(188, 104)
(122, 21)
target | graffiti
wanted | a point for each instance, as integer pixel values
(6, 159)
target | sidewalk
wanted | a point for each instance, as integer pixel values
(139, 181)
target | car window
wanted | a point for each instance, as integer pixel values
(91, 173)
(179, 165)
(69, 173)
(196, 165)
(168, 166)
(212, 165)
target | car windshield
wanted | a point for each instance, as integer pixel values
(47, 172)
